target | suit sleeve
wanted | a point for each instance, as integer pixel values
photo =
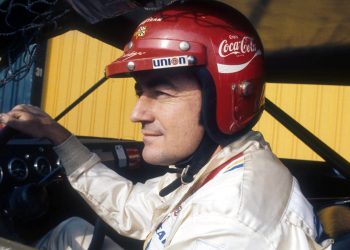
(127, 208)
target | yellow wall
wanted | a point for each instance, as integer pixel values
(321, 109)
(75, 62)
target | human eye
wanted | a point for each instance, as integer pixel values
(161, 93)
(164, 90)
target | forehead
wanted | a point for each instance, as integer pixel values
(177, 79)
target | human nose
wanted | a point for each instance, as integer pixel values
(142, 111)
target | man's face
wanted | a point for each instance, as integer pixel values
(169, 109)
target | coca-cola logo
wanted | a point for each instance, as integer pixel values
(235, 45)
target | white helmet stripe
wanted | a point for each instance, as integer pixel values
(226, 69)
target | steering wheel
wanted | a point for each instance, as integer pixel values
(23, 198)
(24, 202)
(30, 200)
(6, 133)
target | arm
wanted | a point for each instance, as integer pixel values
(125, 207)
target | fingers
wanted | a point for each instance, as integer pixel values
(2, 120)
(34, 122)
(18, 113)
(26, 118)
(28, 109)
(12, 116)
(6, 117)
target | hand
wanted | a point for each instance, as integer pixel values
(34, 122)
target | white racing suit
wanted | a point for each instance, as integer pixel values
(250, 202)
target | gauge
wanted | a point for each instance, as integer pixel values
(18, 169)
(1, 175)
(42, 166)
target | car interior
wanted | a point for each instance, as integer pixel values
(34, 190)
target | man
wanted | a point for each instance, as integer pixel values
(199, 73)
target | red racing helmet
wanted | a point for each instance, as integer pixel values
(209, 35)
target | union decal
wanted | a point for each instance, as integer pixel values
(169, 62)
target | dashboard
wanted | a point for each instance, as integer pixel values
(24, 161)
(27, 160)
(34, 191)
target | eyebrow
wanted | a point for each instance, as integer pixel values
(162, 82)
(153, 83)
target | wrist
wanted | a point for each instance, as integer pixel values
(58, 134)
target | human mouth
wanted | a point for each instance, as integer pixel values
(148, 135)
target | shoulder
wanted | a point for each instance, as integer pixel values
(257, 190)
(255, 185)
(254, 193)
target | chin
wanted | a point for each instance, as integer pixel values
(152, 158)
(155, 158)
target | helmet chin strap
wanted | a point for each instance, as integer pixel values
(192, 164)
